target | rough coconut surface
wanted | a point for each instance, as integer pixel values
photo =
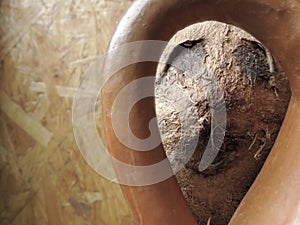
(218, 70)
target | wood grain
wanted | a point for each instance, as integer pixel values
(45, 49)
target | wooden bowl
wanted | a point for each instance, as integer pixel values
(274, 197)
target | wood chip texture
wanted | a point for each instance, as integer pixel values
(45, 49)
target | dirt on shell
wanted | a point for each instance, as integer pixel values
(206, 58)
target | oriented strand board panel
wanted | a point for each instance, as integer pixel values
(45, 49)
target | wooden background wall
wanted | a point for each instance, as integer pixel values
(45, 48)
